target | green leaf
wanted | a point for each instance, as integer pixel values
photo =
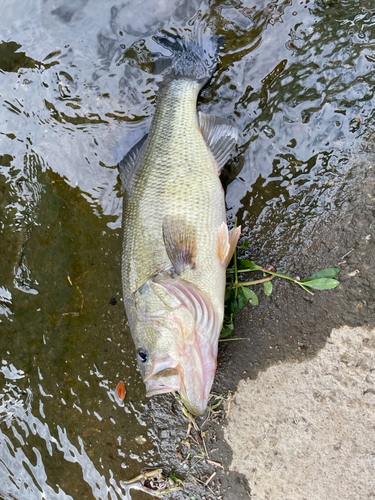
(331, 272)
(242, 299)
(267, 287)
(249, 265)
(229, 326)
(322, 284)
(233, 305)
(245, 244)
(249, 295)
(213, 407)
(226, 330)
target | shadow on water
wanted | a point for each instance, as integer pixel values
(297, 78)
(64, 349)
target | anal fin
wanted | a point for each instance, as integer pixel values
(220, 135)
(227, 242)
(180, 243)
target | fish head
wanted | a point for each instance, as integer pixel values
(157, 352)
(176, 348)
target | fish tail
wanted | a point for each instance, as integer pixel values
(194, 55)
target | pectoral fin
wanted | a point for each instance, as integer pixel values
(180, 243)
(227, 241)
(220, 135)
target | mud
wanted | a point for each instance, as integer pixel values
(292, 326)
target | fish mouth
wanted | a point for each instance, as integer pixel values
(193, 385)
(167, 380)
(192, 378)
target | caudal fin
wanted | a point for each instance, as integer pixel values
(194, 55)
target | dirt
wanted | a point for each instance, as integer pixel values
(292, 326)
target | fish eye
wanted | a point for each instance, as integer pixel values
(142, 355)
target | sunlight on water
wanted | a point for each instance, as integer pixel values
(27, 475)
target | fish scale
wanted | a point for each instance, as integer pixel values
(178, 177)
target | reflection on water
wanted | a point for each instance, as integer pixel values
(298, 79)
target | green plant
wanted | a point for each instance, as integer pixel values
(238, 293)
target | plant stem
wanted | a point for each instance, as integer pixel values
(240, 270)
(249, 283)
(305, 288)
(236, 271)
(235, 266)
(227, 340)
(287, 278)
(196, 463)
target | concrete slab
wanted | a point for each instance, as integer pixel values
(306, 431)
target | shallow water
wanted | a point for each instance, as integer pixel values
(298, 79)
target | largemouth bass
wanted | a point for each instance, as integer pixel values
(176, 243)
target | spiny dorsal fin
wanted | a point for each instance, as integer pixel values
(227, 241)
(128, 164)
(180, 243)
(220, 135)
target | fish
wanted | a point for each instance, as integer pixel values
(176, 241)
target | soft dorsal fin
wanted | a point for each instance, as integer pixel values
(227, 241)
(128, 164)
(180, 243)
(220, 135)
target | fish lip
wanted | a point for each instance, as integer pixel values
(156, 392)
(163, 364)
(155, 386)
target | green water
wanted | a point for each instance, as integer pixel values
(298, 79)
